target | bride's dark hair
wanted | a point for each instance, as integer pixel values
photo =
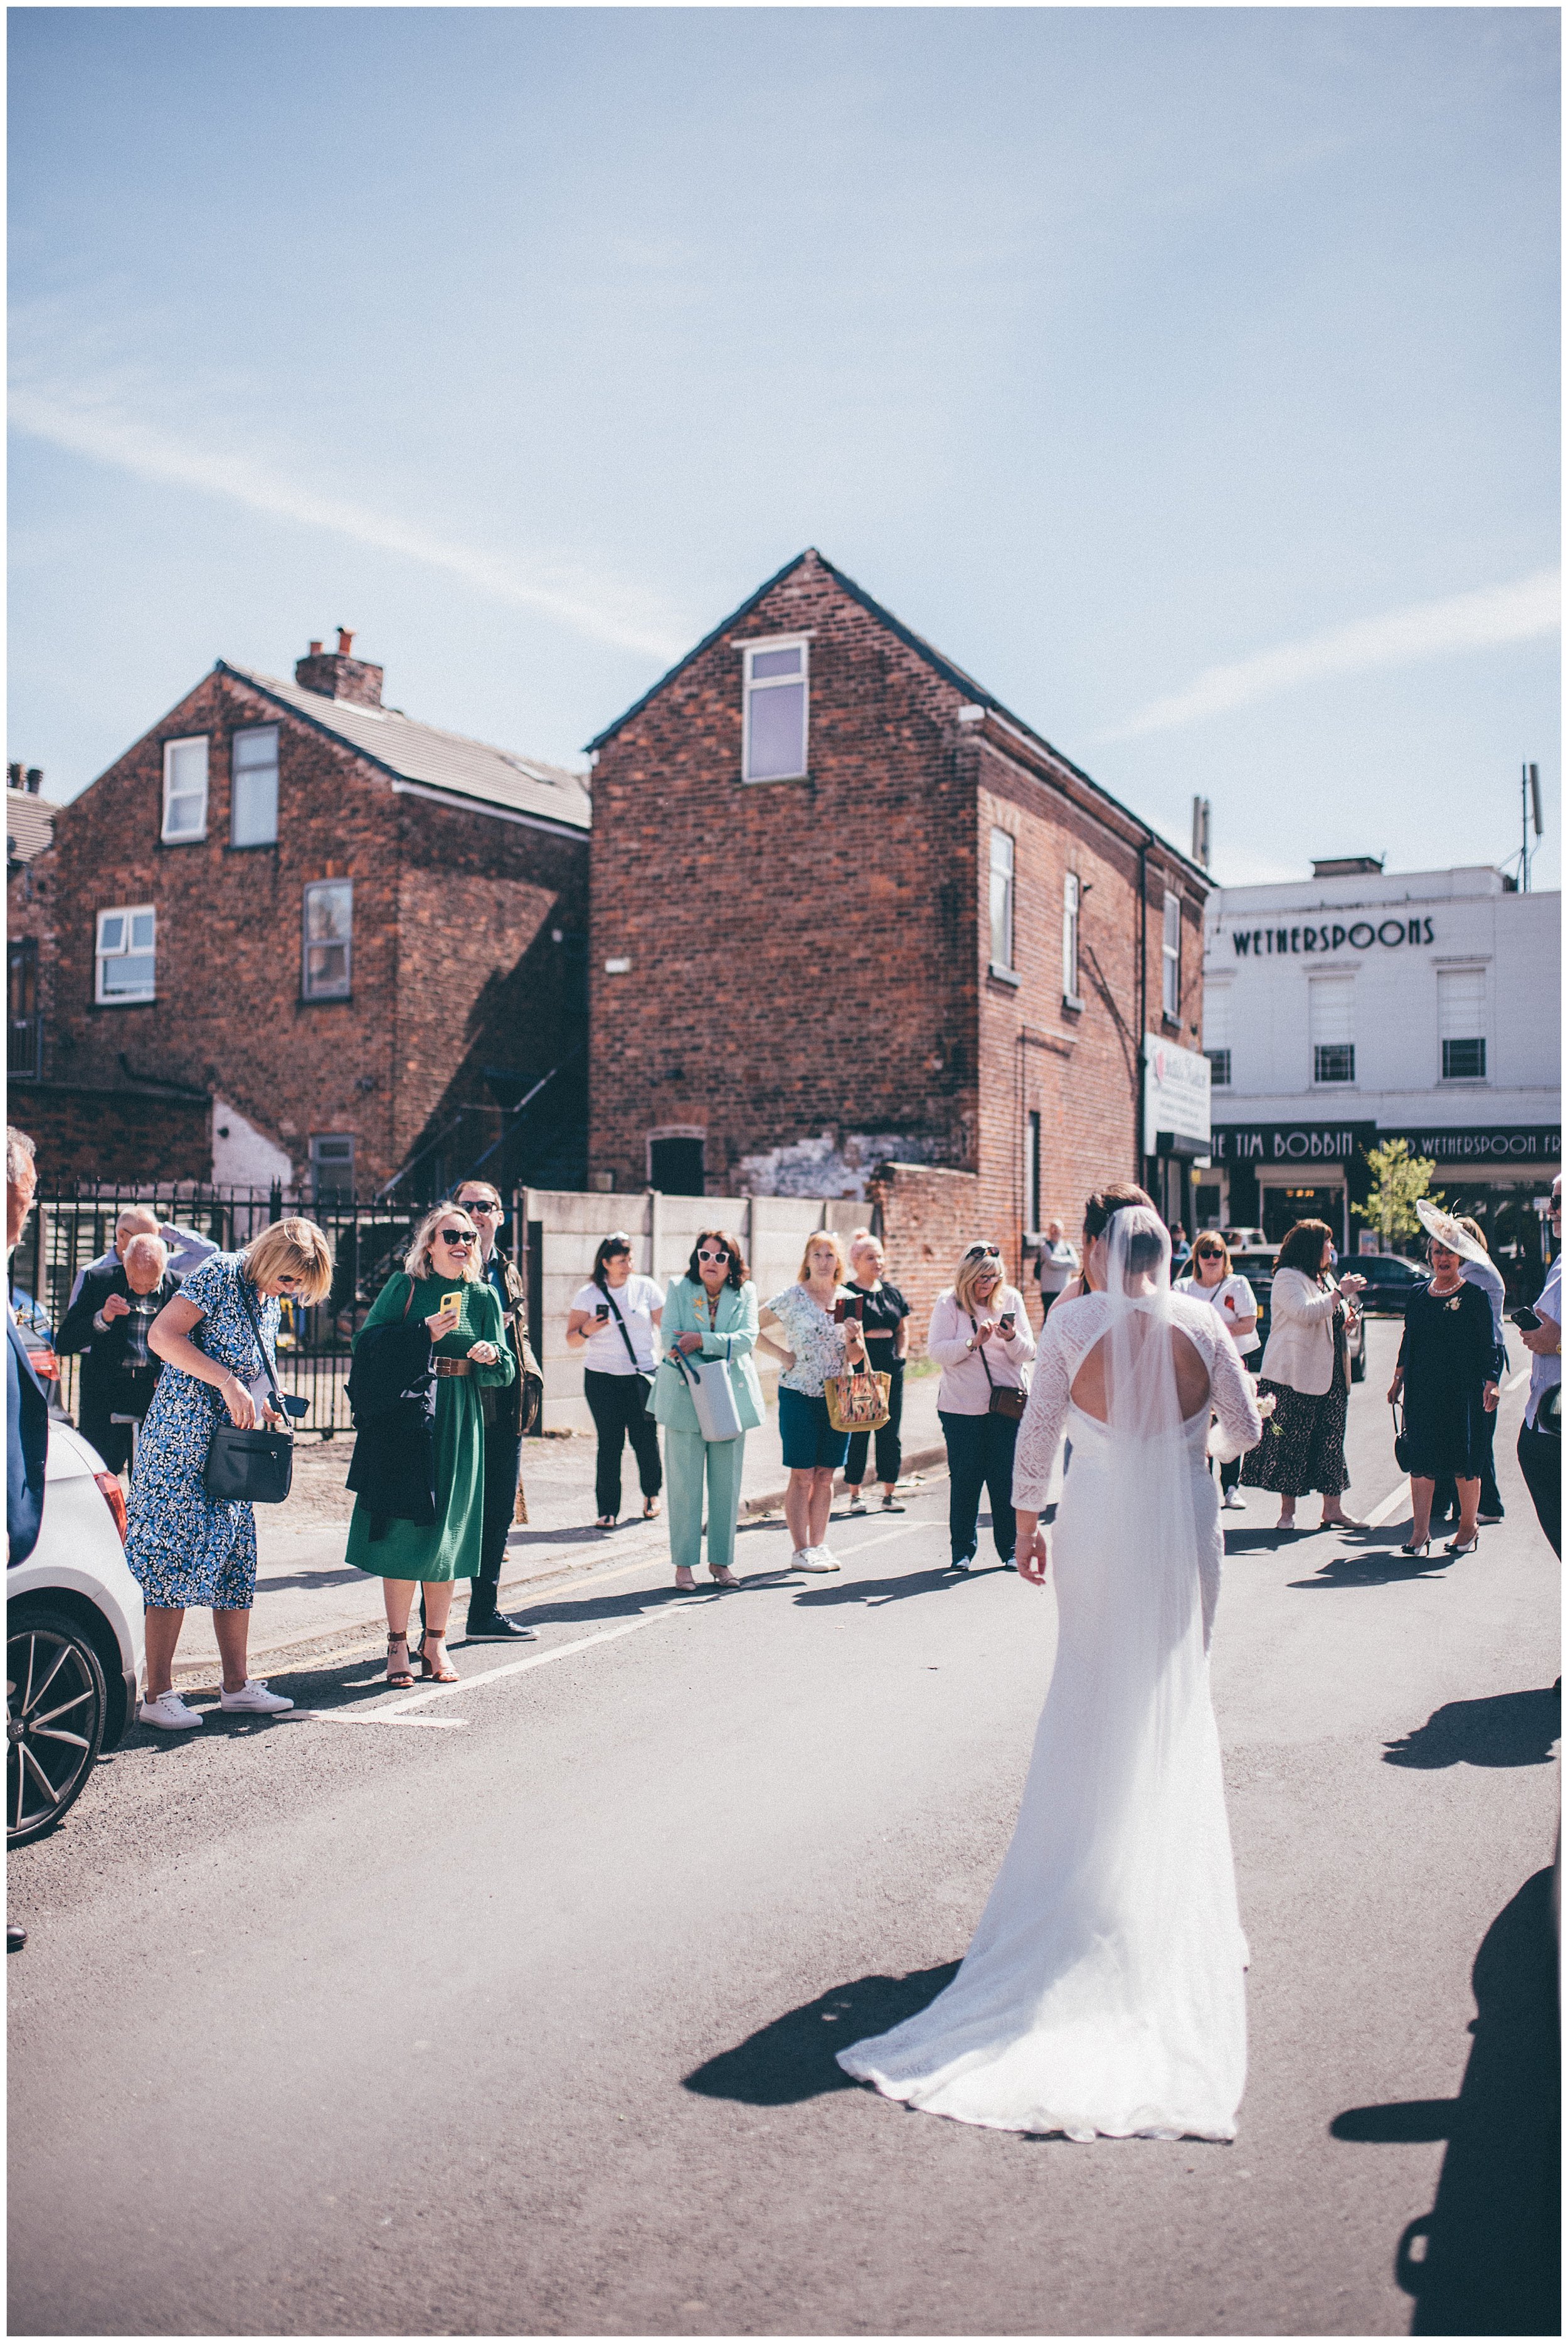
(1117, 1196)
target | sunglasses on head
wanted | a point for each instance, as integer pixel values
(984, 1253)
(460, 1237)
(710, 1252)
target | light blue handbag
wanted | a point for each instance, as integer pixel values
(713, 1394)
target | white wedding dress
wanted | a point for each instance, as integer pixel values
(1104, 1990)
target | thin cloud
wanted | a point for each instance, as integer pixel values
(111, 437)
(1521, 612)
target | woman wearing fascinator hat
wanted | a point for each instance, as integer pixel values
(1447, 1376)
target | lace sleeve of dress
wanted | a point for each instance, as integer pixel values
(1232, 1398)
(1044, 1419)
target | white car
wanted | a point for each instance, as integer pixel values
(73, 1639)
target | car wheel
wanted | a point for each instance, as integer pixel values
(56, 1703)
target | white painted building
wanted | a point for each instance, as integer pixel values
(1361, 1004)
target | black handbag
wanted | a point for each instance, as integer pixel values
(254, 1467)
(1006, 1398)
(1402, 1449)
(638, 1371)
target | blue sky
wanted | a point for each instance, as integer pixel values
(1190, 376)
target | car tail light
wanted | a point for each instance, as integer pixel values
(44, 1363)
(114, 1496)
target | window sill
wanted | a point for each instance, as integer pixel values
(324, 999)
(137, 1000)
(1006, 975)
(1072, 1004)
(253, 846)
(769, 780)
(1172, 1026)
(193, 841)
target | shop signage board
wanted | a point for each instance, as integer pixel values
(1284, 1143)
(1175, 1096)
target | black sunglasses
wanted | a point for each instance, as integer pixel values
(984, 1253)
(480, 1206)
(457, 1236)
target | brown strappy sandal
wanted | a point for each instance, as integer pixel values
(434, 1675)
(402, 1678)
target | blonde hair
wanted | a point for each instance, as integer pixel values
(291, 1249)
(827, 1236)
(416, 1261)
(965, 1274)
(859, 1237)
(1470, 1230)
(1210, 1237)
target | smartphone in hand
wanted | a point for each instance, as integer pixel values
(452, 1302)
(1005, 1324)
(601, 1315)
(848, 1306)
(1525, 1319)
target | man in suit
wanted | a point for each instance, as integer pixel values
(109, 1321)
(505, 1422)
(27, 1402)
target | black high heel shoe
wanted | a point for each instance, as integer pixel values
(1469, 1546)
(1424, 1549)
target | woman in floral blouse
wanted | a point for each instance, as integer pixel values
(817, 1344)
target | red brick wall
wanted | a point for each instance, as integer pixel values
(117, 1135)
(429, 955)
(927, 1218)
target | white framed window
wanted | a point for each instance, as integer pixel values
(1071, 896)
(329, 970)
(1217, 1033)
(184, 790)
(252, 790)
(1171, 958)
(1332, 1008)
(126, 954)
(776, 689)
(332, 1167)
(1462, 1023)
(1002, 851)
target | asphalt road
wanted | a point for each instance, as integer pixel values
(515, 2013)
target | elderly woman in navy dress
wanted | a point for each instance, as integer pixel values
(187, 1549)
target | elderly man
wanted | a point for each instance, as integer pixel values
(1057, 1264)
(108, 1322)
(26, 1402)
(186, 1248)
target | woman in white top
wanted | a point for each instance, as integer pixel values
(980, 1338)
(1103, 1991)
(822, 1337)
(612, 1319)
(1217, 1284)
(1306, 1370)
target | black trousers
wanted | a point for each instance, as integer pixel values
(1541, 1462)
(1445, 1496)
(503, 1463)
(890, 1448)
(100, 1401)
(618, 1405)
(979, 1456)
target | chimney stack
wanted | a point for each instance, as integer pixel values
(338, 676)
(28, 779)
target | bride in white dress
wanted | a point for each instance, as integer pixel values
(1103, 1991)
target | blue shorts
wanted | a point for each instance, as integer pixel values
(808, 1437)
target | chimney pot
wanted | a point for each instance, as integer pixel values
(316, 648)
(344, 642)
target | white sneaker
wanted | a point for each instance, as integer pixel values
(1233, 1501)
(814, 1558)
(169, 1714)
(826, 1559)
(253, 1694)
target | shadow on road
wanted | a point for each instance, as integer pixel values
(883, 1590)
(1376, 1566)
(792, 2058)
(1511, 1728)
(1485, 2260)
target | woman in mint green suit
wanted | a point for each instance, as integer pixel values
(712, 1310)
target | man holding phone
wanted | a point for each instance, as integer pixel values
(509, 1412)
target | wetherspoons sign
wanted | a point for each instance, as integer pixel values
(1360, 935)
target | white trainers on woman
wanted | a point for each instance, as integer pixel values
(253, 1694)
(811, 1557)
(169, 1714)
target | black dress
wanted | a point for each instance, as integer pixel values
(1447, 1356)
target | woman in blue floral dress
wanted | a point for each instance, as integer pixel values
(185, 1549)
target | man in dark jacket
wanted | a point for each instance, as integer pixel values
(109, 1321)
(508, 1413)
(27, 1402)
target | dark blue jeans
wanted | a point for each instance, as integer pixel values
(979, 1456)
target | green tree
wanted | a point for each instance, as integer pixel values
(1399, 1179)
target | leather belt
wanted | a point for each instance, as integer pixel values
(453, 1366)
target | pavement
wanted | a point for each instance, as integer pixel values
(510, 2009)
(308, 1600)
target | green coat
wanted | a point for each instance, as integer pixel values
(734, 1338)
(451, 1549)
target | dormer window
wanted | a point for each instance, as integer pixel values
(185, 792)
(774, 745)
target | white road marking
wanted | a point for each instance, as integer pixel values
(1515, 1381)
(518, 1667)
(1390, 1504)
(380, 1716)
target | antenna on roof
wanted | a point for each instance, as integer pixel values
(1529, 818)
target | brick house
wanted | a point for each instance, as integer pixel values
(356, 937)
(855, 925)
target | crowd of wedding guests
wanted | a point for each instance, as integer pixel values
(179, 1336)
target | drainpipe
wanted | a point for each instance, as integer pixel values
(1142, 1003)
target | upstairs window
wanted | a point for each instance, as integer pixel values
(1217, 1033)
(185, 792)
(328, 939)
(1171, 959)
(1331, 1018)
(253, 819)
(332, 1167)
(126, 954)
(774, 748)
(1071, 896)
(1001, 873)
(1462, 1023)
(25, 1026)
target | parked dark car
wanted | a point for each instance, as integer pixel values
(1258, 1269)
(1390, 1279)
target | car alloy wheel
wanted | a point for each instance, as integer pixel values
(56, 1702)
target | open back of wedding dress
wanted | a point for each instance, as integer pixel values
(1103, 1991)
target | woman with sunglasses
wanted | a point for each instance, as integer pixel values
(1214, 1282)
(980, 1338)
(188, 1550)
(711, 1313)
(613, 1319)
(440, 1290)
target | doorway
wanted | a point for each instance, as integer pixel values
(675, 1166)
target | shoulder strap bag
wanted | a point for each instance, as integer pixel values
(1006, 1398)
(639, 1370)
(1403, 1450)
(254, 1467)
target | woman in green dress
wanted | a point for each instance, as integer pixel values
(440, 1286)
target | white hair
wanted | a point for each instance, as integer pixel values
(144, 1245)
(20, 1152)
